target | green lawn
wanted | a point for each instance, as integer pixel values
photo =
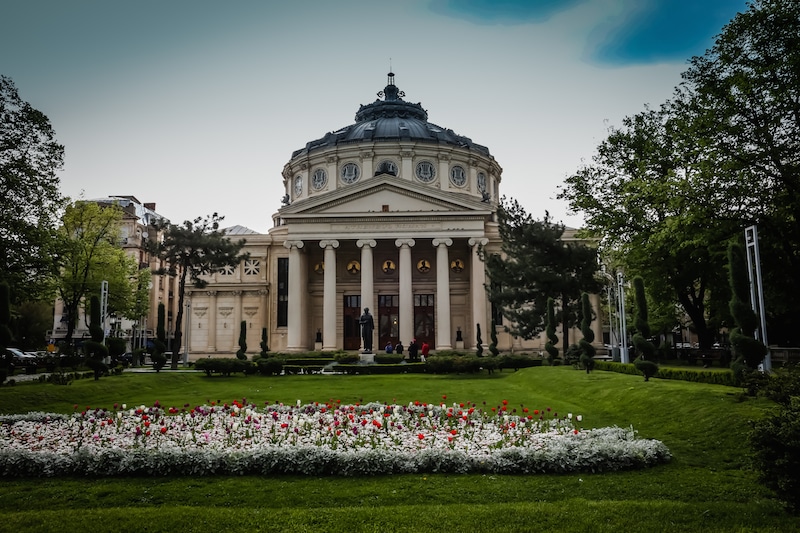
(707, 486)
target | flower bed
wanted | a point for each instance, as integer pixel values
(315, 439)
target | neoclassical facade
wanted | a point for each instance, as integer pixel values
(388, 214)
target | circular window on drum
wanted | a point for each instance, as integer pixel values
(298, 185)
(481, 182)
(425, 171)
(458, 176)
(350, 173)
(319, 179)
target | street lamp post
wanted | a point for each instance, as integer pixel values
(188, 332)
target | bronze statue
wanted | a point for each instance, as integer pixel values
(367, 325)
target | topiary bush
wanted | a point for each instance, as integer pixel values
(270, 366)
(550, 331)
(647, 368)
(388, 359)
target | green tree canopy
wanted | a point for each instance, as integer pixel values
(88, 253)
(191, 251)
(537, 262)
(30, 201)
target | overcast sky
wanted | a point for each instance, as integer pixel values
(197, 105)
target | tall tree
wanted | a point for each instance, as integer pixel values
(744, 95)
(651, 196)
(190, 251)
(537, 262)
(30, 201)
(88, 252)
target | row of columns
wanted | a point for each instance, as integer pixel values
(237, 316)
(406, 304)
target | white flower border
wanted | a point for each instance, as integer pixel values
(315, 439)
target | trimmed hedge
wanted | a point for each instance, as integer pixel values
(224, 366)
(697, 376)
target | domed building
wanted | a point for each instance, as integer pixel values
(386, 214)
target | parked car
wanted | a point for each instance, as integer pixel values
(21, 358)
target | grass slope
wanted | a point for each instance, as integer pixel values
(707, 486)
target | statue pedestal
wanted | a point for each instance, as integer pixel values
(366, 358)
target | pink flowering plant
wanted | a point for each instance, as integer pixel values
(315, 439)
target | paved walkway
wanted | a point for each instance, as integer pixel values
(20, 378)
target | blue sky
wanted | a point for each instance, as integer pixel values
(167, 100)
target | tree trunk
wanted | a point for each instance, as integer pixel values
(176, 348)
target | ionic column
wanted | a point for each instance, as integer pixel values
(264, 302)
(367, 274)
(477, 288)
(406, 294)
(294, 333)
(443, 341)
(237, 318)
(212, 321)
(329, 295)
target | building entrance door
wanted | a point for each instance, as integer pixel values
(424, 313)
(351, 312)
(388, 321)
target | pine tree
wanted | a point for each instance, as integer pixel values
(536, 263)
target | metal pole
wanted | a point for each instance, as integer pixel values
(188, 332)
(757, 289)
(103, 306)
(622, 321)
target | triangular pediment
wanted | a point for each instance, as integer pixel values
(383, 194)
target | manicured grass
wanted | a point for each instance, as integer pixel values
(707, 486)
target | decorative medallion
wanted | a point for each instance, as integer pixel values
(457, 266)
(425, 171)
(319, 268)
(350, 173)
(319, 179)
(388, 267)
(298, 185)
(354, 267)
(424, 266)
(457, 176)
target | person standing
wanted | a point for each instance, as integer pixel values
(413, 350)
(425, 349)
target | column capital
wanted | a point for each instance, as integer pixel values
(445, 241)
(372, 243)
(263, 292)
(478, 241)
(329, 243)
(293, 244)
(404, 242)
(237, 292)
(211, 293)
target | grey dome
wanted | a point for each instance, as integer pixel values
(391, 119)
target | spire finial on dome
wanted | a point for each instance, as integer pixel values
(391, 92)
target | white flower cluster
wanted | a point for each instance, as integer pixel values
(315, 439)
